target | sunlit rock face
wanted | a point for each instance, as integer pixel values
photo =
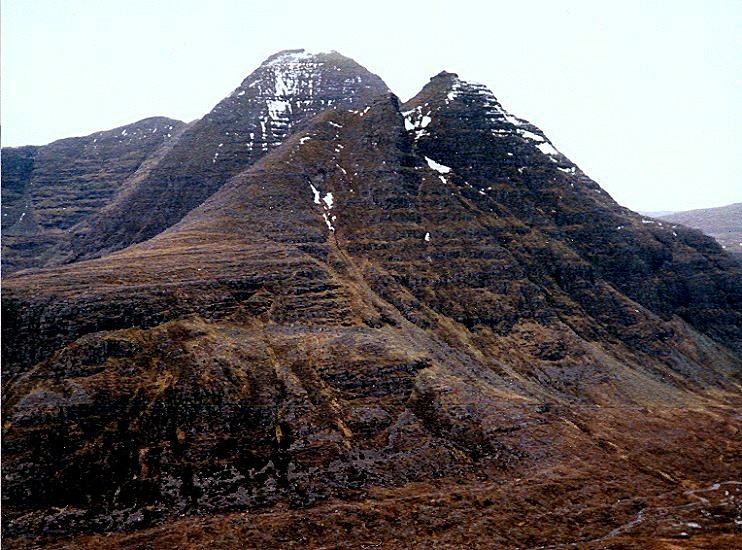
(361, 321)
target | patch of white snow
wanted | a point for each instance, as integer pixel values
(327, 221)
(547, 149)
(289, 57)
(277, 108)
(316, 194)
(454, 92)
(515, 121)
(437, 167)
(530, 135)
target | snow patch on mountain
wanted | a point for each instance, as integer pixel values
(316, 193)
(454, 92)
(547, 149)
(530, 135)
(288, 57)
(440, 168)
(414, 119)
(278, 108)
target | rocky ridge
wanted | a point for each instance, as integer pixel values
(282, 94)
(48, 190)
(395, 302)
(286, 90)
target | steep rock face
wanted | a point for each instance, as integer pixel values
(284, 92)
(361, 312)
(49, 189)
(504, 163)
(18, 163)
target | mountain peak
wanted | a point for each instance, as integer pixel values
(475, 110)
(277, 99)
(287, 56)
(299, 73)
(445, 75)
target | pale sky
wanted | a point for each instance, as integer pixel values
(646, 97)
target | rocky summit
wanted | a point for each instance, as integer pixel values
(318, 317)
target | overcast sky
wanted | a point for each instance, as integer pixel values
(646, 97)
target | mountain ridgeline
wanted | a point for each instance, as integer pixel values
(157, 190)
(316, 298)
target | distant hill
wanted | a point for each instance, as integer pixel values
(657, 214)
(723, 224)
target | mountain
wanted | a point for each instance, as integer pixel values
(281, 95)
(656, 214)
(403, 325)
(48, 190)
(723, 224)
